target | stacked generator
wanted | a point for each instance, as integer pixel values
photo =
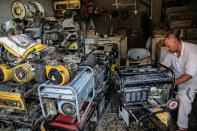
(22, 69)
(78, 103)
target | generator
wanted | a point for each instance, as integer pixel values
(64, 6)
(85, 94)
(23, 60)
(19, 105)
(62, 69)
(99, 61)
(72, 100)
(60, 34)
(71, 33)
(146, 89)
(90, 92)
(52, 32)
(22, 69)
(27, 17)
(17, 48)
(31, 12)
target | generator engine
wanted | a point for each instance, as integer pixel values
(62, 69)
(145, 82)
(52, 32)
(77, 107)
(27, 17)
(69, 26)
(70, 31)
(144, 88)
(31, 12)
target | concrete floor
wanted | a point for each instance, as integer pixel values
(110, 121)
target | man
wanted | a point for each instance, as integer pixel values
(182, 57)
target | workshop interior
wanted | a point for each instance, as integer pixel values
(93, 65)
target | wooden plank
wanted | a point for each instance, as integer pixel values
(178, 9)
(181, 15)
(180, 24)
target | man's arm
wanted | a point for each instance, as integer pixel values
(183, 78)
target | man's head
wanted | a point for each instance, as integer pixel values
(172, 43)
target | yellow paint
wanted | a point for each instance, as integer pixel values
(7, 72)
(6, 96)
(62, 70)
(35, 48)
(164, 117)
(116, 64)
(29, 74)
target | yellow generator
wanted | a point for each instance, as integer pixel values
(19, 105)
(17, 48)
(20, 75)
(61, 6)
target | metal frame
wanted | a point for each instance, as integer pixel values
(67, 92)
(129, 109)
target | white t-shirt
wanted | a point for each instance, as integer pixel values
(186, 63)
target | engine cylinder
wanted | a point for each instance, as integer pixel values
(23, 73)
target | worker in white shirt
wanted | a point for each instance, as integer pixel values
(182, 58)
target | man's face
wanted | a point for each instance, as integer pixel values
(171, 45)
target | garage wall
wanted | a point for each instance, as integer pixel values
(104, 22)
(107, 4)
(5, 8)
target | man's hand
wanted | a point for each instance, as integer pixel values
(185, 77)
